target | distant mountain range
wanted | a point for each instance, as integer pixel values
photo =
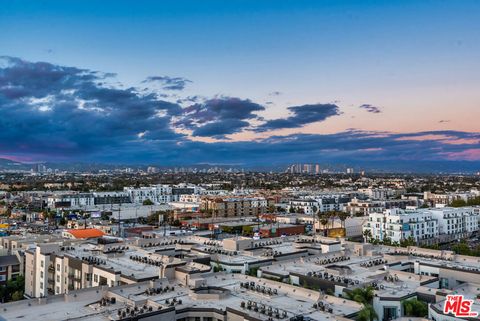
(7, 164)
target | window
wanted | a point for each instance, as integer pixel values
(41, 285)
(443, 283)
(41, 264)
(58, 267)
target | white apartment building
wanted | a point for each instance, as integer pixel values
(380, 193)
(331, 202)
(398, 225)
(312, 204)
(440, 223)
(86, 200)
(71, 200)
(307, 206)
(457, 222)
(158, 194)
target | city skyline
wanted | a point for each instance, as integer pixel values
(248, 83)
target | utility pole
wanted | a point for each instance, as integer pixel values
(84, 218)
(136, 208)
(119, 224)
(213, 223)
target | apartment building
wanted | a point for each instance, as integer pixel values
(423, 225)
(318, 203)
(234, 206)
(57, 268)
(10, 268)
(444, 199)
(455, 223)
(398, 225)
(158, 194)
(86, 200)
(359, 207)
(305, 206)
(381, 193)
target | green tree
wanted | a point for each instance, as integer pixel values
(324, 221)
(17, 295)
(458, 203)
(410, 241)
(361, 295)
(152, 219)
(13, 290)
(415, 308)
(343, 217)
(387, 241)
(147, 202)
(462, 248)
(367, 235)
(367, 314)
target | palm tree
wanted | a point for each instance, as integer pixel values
(331, 216)
(367, 314)
(362, 295)
(315, 213)
(367, 234)
(343, 217)
(323, 219)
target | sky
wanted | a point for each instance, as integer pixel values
(240, 82)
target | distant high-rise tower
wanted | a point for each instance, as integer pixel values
(40, 168)
(152, 170)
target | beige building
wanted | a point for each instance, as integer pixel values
(233, 206)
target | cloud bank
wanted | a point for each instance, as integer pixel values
(52, 112)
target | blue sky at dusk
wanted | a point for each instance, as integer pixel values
(240, 82)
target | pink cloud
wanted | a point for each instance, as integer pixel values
(424, 137)
(472, 154)
(462, 141)
(14, 158)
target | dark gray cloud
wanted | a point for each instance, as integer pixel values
(219, 117)
(51, 109)
(301, 115)
(371, 109)
(169, 83)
